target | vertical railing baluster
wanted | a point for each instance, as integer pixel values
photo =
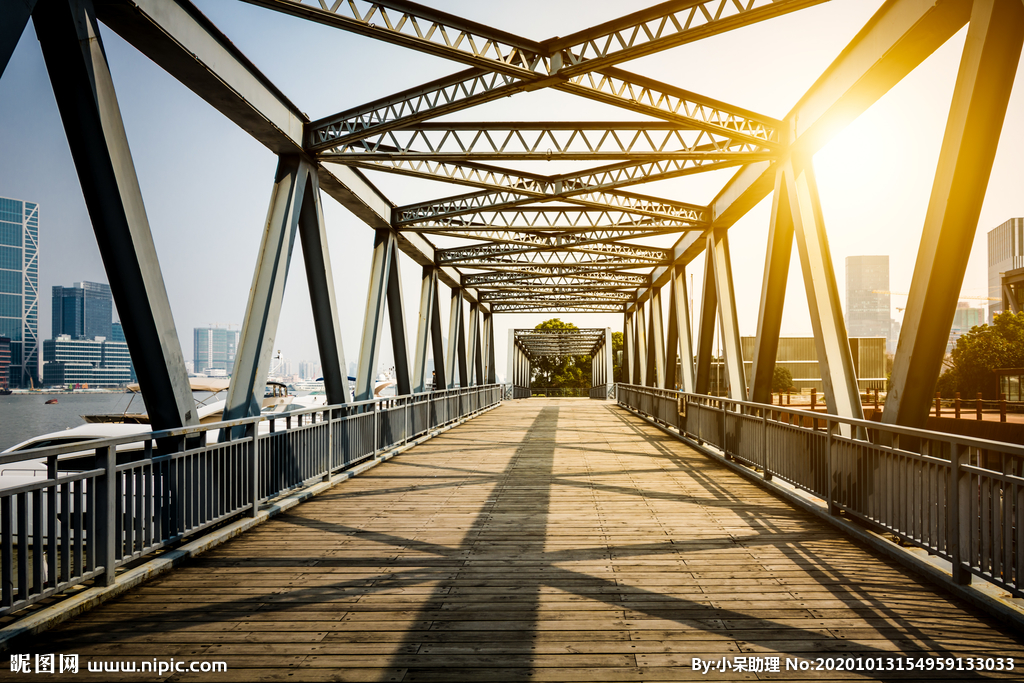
(106, 519)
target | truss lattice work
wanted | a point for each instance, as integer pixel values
(584, 238)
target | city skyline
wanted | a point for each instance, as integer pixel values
(169, 128)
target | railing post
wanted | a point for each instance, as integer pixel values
(956, 405)
(328, 415)
(1002, 407)
(376, 425)
(106, 522)
(765, 474)
(833, 509)
(252, 438)
(977, 404)
(725, 449)
(958, 520)
(938, 404)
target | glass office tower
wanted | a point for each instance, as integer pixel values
(19, 288)
(83, 311)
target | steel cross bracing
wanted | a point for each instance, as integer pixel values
(579, 235)
(579, 342)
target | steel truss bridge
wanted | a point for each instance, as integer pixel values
(516, 241)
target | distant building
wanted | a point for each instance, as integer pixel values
(867, 297)
(97, 362)
(799, 355)
(964, 319)
(5, 362)
(215, 349)
(309, 370)
(1005, 255)
(83, 311)
(19, 288)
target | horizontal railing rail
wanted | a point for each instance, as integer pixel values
(959, 498)
(128, 497)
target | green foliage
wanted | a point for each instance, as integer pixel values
(782, 380)
(558, 372)
(979, 353)
(617, 356)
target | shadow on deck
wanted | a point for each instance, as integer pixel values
(549, 539)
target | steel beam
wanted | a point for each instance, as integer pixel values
(476, 358)
(835, 361)
(642, 349)
(490, 371)
(707, 321)
(899, 37)
(15, 15)
(732, 349)
(987, 69)
(456, 361)
(680, 343)
(427, 323)
(320, 278)
(773, 293)
(609, 358)
(656, 342)
(396, 316)
(626, 372)
(263, 310)
(373, 319)
(68, 32)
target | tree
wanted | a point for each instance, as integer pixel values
(782, 380)
(617, 357)
(980, 352)
(561, 371)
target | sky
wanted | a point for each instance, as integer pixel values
(206, 184)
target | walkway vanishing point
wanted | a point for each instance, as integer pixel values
(545, 540)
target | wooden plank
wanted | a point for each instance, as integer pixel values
(545, 540)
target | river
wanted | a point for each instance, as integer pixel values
(23, 416)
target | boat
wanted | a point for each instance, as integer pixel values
(50, 402)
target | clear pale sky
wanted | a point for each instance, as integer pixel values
(206, 184)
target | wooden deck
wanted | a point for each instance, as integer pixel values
(547, 540)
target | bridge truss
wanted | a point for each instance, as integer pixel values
(580, 241)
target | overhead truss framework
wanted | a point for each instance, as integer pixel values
(552, 215)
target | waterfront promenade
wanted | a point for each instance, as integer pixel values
(546, 540)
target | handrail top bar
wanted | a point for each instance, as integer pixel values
(968, 441)
(95, 444)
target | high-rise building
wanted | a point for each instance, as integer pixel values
(96, 362)
(19, 288)
(215, 349)
(1005, 255)
(117, 334)
(5, 363)
(309, 369)
(964, 319)
(867, 296)
(82, 311)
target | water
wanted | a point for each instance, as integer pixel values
(23, 416)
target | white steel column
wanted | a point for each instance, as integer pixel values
(656, 341)
(718, 243)
(680, 344)
(835, 361)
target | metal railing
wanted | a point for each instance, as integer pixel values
(603, 391)
(959, 498)
(118, 500)
(559, 392)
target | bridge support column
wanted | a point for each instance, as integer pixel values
(490, 371)
(428, 334)
(987, 69)
(385, 287)
(706, 325)
(718, 252)
(640, 364)
(773, 294)
(835, 361)
(263, 310)
(69, 35)
(628, 351)
(656, 339)
(476, 357)
(320, 279)
(456, 360)
(679, 347)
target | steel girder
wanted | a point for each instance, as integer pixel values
(76, 63)
(560, 219)
(503, 64)
(544, 141)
